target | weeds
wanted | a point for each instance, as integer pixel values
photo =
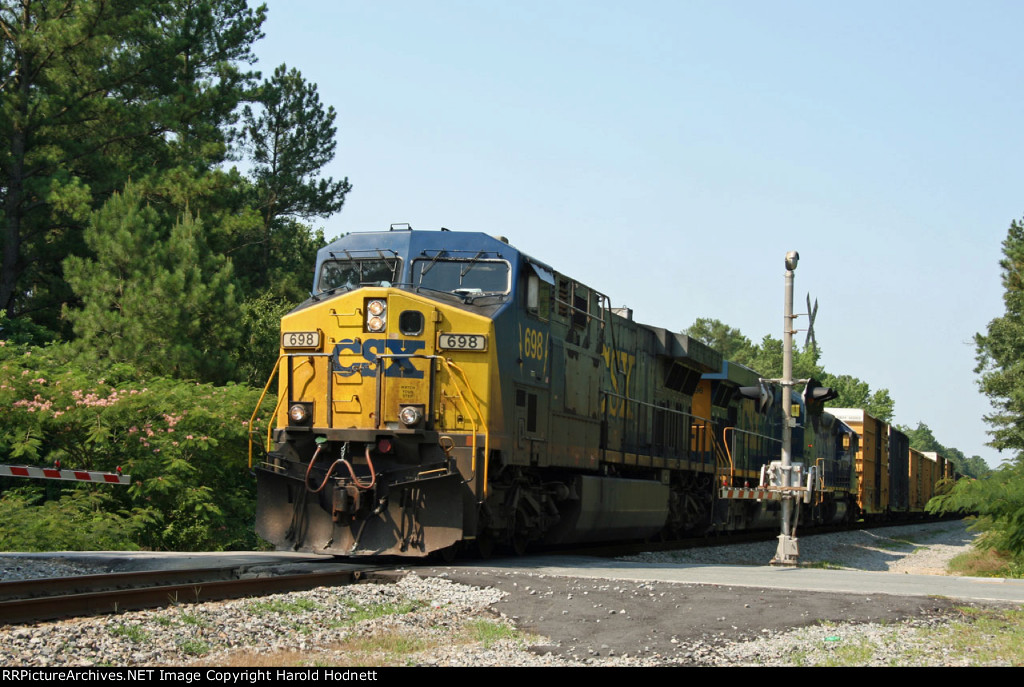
(489, 632)
(194, 647)
(194, 619)
(986, 563)
(282, 606)
(985, 636)
(132, 632)
(358, 612)
(858, 653)
(822, 565)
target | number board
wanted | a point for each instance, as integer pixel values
(462, 342)
(300, 339)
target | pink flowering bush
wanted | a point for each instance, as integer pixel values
(184, 444)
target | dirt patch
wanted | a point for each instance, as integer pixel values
(587, 618)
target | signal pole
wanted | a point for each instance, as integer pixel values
(788, 550)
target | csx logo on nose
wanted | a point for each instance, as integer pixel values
(370, 349)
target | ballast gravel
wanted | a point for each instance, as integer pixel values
(525, 619)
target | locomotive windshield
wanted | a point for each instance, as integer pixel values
(467, 277)
(355, 272)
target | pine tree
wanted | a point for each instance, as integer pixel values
(290, 138)
(92, 93)
(998, 499)
(1001, 351)
(155, 295)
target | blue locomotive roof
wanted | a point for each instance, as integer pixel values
(735, 373)
(409, 245)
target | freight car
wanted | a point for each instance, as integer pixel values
(443, 388)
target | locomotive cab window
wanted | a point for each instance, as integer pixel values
(538, 297)
(462, 276)
(351, 274)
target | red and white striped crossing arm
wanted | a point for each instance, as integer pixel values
(71, 475)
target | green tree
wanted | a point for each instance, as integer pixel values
(184, 444)
(728, 341)
(155, 296)
(92, 93)
(856, 393)
(204, 46)
(999, 497)
(59, 62)
(766, 358)
(1000, 351)
(289, 138)
(923, 439)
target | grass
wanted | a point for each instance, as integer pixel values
(490, 632)
(981, 637)
(132, 632)
(282, 606)
(857, 653)
(194, 619)
(822, 565)
(358, 612)
(363, 646)
(986, 563)
(986, 636)
(195, 647)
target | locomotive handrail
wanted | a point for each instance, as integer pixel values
(704, 422)
(381, 389)
(252, 419)
(462, 395)
(728, 450)
(588, 315)
(655, 406)
(487, 436)
(354, 313)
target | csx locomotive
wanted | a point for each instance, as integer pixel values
(443, 388)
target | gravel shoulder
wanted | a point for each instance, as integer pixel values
(464, 616)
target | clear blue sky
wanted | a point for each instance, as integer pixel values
(670, 153)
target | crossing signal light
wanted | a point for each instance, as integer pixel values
(762, 393)
(815, 395)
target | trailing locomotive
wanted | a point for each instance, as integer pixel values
(442, 388)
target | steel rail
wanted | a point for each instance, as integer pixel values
(203, 585)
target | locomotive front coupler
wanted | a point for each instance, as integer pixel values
(352, 503)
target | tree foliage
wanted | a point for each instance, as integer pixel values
(856, 393)
(766, 359)
(96, 92)
(998, 498)
(118, 210)
(1000, 351)
(184, 444)
(923, 439)
(155, 296)
(288, 137)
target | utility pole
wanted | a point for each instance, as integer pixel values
(788, 551)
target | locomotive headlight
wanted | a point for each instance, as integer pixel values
(410, 415)
(299, 413)
(375, 317)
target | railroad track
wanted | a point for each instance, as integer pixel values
(24, 601)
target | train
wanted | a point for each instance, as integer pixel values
(442, 390)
